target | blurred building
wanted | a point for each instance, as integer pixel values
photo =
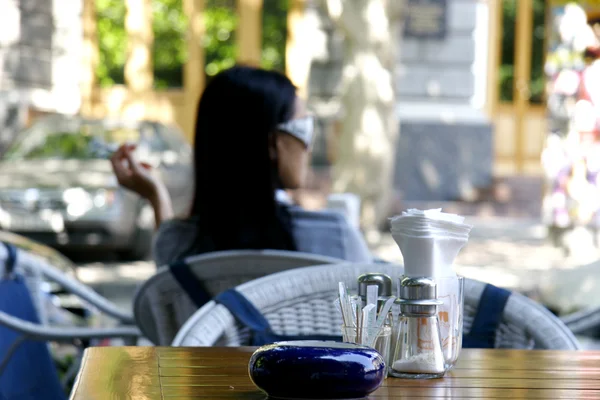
(40, 53)
(464, 89)
(467, 112)
(40, 60)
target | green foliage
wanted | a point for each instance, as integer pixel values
(111, 42)
(274, 34)
(506, 75)
(169, 51)
(507, 60)
(62, 365)
(170, 29)
(59, 145)
(220, 22)
(538, 51)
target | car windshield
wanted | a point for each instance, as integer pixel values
(67, 139)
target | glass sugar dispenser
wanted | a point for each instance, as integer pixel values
(418, 350)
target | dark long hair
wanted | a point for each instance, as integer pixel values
(235, 177)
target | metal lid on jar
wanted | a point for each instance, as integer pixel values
(382, 281)
(418, 296)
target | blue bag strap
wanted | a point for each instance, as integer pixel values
(190, 283)
(487, 319)
(250, 317)
(11, 259)
(243, 310)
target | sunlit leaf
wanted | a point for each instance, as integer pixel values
(169, 52)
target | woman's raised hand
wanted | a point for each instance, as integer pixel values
(134, 175)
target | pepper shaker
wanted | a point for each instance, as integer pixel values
(384, 290)
(418, 352)
(384, 287)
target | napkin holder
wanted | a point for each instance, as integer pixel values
(430, 241)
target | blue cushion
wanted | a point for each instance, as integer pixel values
(30, 373)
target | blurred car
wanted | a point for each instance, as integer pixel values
(57, 185)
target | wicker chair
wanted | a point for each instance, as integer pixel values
(36, 272)
(584, 322)
(301, 302)
(161, 306)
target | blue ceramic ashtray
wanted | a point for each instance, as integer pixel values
(316, 370)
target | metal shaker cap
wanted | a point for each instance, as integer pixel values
(418, 295)
(417, 288)
(382, 281)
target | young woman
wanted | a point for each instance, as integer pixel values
(252, 139)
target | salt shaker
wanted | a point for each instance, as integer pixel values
(384, 286)
(418, 352)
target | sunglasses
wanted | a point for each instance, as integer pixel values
(300, 128)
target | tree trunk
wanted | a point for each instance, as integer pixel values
(366, 147)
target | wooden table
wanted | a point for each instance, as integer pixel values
(148, 373)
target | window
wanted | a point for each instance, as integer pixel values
(172, 137)
(538, 50)
(64, 139)
(152, 138)
(507, 62)
(274, 34)
(169, 52)
(112, 42)
(220, 22)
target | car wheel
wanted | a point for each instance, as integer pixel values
(141, 241)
